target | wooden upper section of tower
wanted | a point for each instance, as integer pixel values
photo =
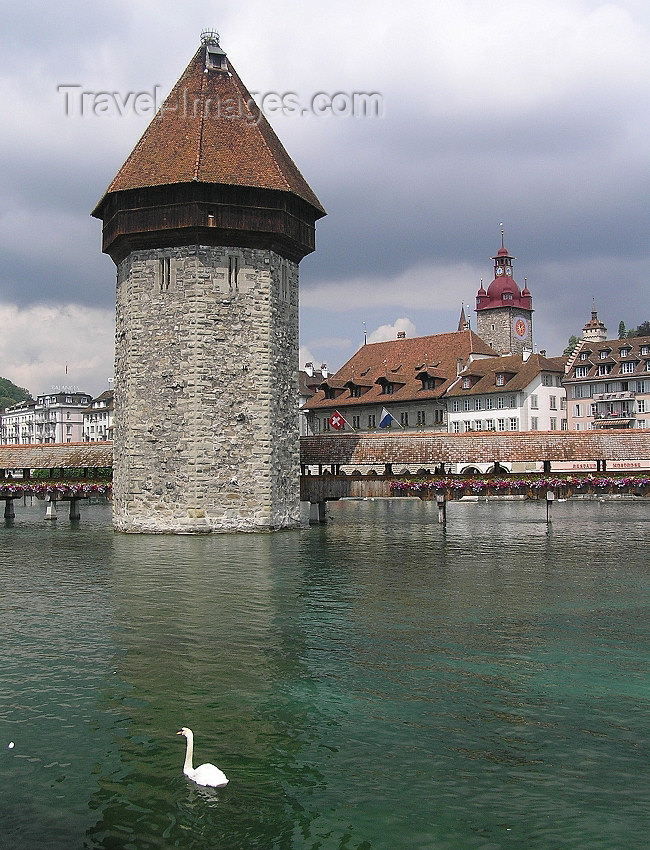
(209, 165)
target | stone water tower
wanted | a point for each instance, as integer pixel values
(207, 221)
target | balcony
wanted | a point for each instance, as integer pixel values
(622, 396)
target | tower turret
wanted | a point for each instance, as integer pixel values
(504, 313)
(206, 222)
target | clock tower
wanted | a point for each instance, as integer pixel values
(504, 313)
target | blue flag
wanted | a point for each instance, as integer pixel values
(386, 418)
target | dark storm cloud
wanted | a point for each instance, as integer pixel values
(529, 114)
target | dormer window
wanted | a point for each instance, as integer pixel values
(501, 379)
(355, 392)
(428, 383)
(215, 58)
(604, 354)
(583, 355)
(625, 352)
(645, 349)
(467, 383)
(329, 392)
(388, 388)
(507, 296)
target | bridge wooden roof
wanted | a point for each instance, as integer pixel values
(367, 449)
(57, 455)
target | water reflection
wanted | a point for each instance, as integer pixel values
(378, 682)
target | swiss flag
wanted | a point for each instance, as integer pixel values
(336, 421)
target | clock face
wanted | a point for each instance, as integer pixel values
(508, 271)
(520, 327)
(498, 271)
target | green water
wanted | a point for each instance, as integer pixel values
(375, 683)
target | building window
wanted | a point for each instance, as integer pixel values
(467, 426)
(547, 380)
(552, 402)
(640, 386)
(456, 427)
(501, 424)
(628, 367)
(326, 423)
(604, 368)
(513, 401)
(455, 405)
(233, 272)
(533, 423)
(581, 371)
(371, 420)
(421, 420)
(478, 425)
(501, 402)
(533, 403)
(640, 423)
(564, 425)
(404, 419)
(489, 403)
(356, 422)
(514, 424)
(466, 404)
(640, 405)
(563, 402)
(593, 409)
(577, 410)
(478, 404)
(553, 423)
(489, 424)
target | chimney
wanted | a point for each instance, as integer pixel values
(309, 369)
(324, 371)
(401, 334)
(525, 354)
(459, 365)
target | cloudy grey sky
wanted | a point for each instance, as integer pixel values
(534, 113)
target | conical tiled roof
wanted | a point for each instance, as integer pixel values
(210, 130)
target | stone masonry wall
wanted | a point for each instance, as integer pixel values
(206, 368)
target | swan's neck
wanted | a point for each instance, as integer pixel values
(189, 753)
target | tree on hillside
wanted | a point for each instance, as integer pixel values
(573, 341)
(10, 393)
(622, 331)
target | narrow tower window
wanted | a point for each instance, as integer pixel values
(284, 282)
(233, 271)
(164, 273)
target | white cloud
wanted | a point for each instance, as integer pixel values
(38, 343)
(384, 333)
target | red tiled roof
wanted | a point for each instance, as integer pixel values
(399, 361)
(518, 373)
(210, 130)
(611, 349)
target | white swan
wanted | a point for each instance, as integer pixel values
(204, 774)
